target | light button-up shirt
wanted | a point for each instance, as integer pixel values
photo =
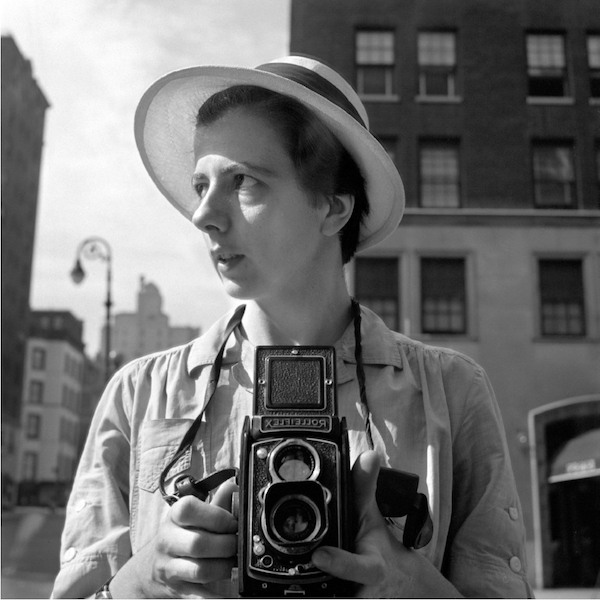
(433, 413)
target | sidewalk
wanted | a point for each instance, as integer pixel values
(30, 551)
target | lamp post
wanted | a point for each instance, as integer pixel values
(96, 248)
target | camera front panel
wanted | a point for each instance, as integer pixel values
(294, 507)
(294, 472)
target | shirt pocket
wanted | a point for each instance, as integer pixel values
(159, 442)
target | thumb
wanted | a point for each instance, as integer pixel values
(223, 495)
(364, 478)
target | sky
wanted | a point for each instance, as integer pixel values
(93, 60)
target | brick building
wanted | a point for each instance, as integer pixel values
(23, 115)
(491, 112)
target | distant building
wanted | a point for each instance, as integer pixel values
(491, 112)
(23, 113)
(94, 382)
(147, 330)
(52, 397)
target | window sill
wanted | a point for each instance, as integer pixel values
(379, 97)
(564, 339)
(551, 100)
(439, 99)
(444, 338)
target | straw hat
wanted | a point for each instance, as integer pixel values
(165, 127)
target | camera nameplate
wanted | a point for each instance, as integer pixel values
(274, 423)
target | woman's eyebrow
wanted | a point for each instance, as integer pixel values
(234, 167)
(251, 167)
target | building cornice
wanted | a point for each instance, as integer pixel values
(507, 217)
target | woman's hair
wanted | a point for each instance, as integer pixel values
(323, 165)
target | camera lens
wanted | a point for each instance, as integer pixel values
(295, 518)
(294, 461)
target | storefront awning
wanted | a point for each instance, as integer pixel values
(580, 458)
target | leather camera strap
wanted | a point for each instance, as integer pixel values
(213, 380)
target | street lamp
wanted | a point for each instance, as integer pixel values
(96, 248)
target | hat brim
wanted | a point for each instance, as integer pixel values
(165, 128)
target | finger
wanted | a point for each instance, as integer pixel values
(224, 494)
(364, 478)
(190, 511)
(199, 543)
(199, 571)
(366, 569)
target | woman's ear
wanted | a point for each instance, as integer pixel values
(340, 207)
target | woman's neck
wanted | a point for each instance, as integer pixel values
(307, 320)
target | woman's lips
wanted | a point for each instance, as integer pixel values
(229, 260)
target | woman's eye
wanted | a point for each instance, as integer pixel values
(201, 188)
(244, 182)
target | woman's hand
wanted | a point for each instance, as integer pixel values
(381, 564)
(195, 545)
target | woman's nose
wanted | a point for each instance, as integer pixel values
(211, 213)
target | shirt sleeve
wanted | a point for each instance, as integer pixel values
(485, 552)
(95, 541)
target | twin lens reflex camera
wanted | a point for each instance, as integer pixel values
(294, 479)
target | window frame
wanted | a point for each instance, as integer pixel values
(570, 185)
(440, 144)
(38, 396)
(585, 321)
(38, 358)
(555, 73)
(33, 426)
(451, 71)
(389, 68)
(593, 69)
(467, 301)
(370, 302)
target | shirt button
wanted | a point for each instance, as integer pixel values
(69, 554)
(515, 564)
(81, 504)
(514, 513)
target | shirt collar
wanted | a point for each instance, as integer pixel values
(379, 346)
(204, 350)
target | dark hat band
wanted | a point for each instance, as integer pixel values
(314, 82)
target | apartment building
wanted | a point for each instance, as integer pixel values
(491, 112)
(50, 418)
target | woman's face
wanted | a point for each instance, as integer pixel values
(261, 228)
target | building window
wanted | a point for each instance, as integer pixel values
(437, 64)
(593, 48)
(30, 466)
(554, 175)
(546, 66)
(375, 63)
(443, 296)
(32, 427)
(38, 359)
(439, 175)
(376, 286)
(36, 392)
(561, 297)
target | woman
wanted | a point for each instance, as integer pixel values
(276, 167)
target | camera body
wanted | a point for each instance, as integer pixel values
(294, 475)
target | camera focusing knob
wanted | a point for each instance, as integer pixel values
(262, 453)
(258, 547)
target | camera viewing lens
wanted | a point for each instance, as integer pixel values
(295, 518)
(294, 463)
